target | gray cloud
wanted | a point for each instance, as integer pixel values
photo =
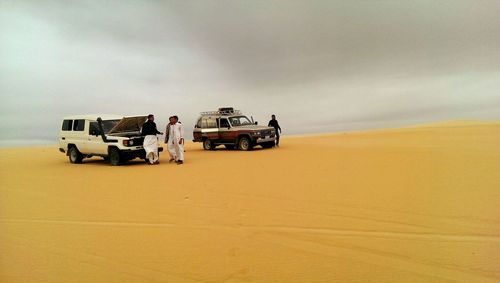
(320, 65)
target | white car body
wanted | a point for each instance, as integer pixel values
(83, 132)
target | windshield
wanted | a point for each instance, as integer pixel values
(239, 121)
(107, 125)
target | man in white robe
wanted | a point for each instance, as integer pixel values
(168, 141)
(150, 143)
(176, 141)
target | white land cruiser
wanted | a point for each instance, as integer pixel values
(115, 138)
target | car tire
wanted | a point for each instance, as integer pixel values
(268, 145)
(74, 155)
(245, 144)
(114, 156)
(208, 145)
(229, 146)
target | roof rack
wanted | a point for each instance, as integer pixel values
(222, 111)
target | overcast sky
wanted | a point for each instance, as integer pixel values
(320, 66)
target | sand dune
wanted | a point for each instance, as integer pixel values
(419, 204)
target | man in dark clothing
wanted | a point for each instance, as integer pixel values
(149, 128)
(274, 123)
(150, 143)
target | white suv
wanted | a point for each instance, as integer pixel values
(115, 138)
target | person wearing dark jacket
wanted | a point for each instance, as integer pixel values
(274, 123)
(150, 144)
(149, 128)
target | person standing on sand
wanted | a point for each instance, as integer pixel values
(274, 123)
(150, 143)
(168, 135)
(176, 140)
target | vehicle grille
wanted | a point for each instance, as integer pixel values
(138, 141)
(265, 133)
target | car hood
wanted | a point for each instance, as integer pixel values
(256, 127)
(129, 124)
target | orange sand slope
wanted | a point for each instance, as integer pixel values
(409, 205)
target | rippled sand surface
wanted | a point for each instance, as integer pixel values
(420, 204)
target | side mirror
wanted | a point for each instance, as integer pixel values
(255, 122)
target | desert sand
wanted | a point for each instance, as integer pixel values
(419, 204)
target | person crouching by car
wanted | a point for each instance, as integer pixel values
(150, 140)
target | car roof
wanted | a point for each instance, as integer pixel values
(94, 117)
(221, 115)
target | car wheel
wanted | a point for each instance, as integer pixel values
(115, 158)
(74, 155)
(208, 145)
(229, 146)
(245, 144)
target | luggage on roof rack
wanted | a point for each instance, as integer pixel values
(222, 111)
(226, 110)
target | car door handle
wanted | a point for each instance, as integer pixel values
(63, 138)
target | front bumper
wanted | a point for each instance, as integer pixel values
(139, 152)
(263, 140)
(133, 149)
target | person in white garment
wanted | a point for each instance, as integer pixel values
(168, 134)
(150, 143)
(176, 141)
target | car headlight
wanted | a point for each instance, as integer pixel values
(256, 133)
(131, 143)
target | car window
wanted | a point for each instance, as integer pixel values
(198, 124)
(78, 125)
(93, 128)
(224, 123)
(67, 125)
(107, 125)
(239, 121)
(209, 123)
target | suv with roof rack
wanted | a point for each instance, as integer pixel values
(115, 138)
(229, 127)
